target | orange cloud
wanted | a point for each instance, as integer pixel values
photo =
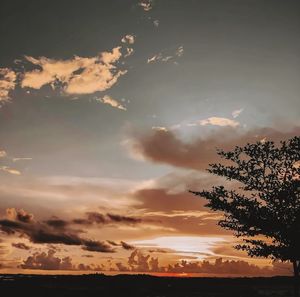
(7, 83)
(77, 75)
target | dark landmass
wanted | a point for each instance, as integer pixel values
(142, 286)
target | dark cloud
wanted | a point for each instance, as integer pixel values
(21, 246)
(164, 146)
(123, 219)
(97, 246)
(95, 217)
(38, 232)
(113, 243)
(109, 218)
(123, 244)
(81, 221)
(57, 223)
(127, 246)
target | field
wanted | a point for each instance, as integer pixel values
(142, 286)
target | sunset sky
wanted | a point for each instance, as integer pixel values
(111, 110)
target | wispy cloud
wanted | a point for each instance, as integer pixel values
(237, 112)
(160, 128)
(164, 57)
(112, 102)
(156, 23)
(218, 121)
(10, 170)
(6, 161)
(21, 159)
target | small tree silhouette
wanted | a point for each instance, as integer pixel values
(265, 209)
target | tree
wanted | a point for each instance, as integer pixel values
(263, 208)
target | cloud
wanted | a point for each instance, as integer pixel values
(156, 23)
(10, 170)
(57, 223)
(77, 75)
(217, 121)
(123, 219)
(237, 112)
(49, 261)
(220, 267)
(162, 200)
(112, 102)
(166, 204)
(147, 5)
(7, 83)
(18, 221)
(179, 52)
(21, 159)
(139, 262)
(97, 246)
(19, 215)
(128, 39)
(7, 160)
(109, 218)
(166, 147)
(123, 244)
(154, 58)
(163, 57)
(127, 246)
(160, 128)
(21, 246)
(129, 52)
(3, 154)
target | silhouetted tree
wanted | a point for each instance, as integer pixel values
(264, 209)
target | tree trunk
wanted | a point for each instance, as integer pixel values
(296, 267)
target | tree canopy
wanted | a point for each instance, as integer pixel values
(263, 207)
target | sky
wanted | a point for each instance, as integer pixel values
(110, 111)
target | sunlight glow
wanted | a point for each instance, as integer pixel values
(183, 244)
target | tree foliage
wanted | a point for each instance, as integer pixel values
(264, 210)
